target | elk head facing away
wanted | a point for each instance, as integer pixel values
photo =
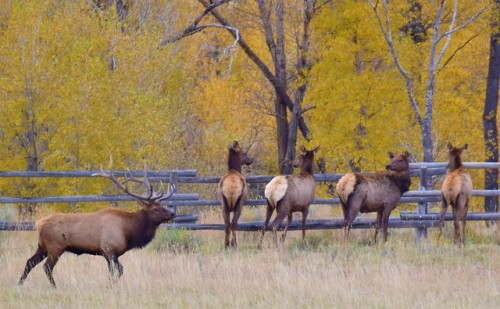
(456, 191)
(399, 162)
(455, 156)
(237, 157)
(291, 193)
(233, 191)
(379, 192)
(108, 232)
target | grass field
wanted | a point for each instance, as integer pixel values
(182, 269)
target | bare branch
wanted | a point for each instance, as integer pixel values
(193, 27)
(471, 20)
(264, 68)
(307, 108)
(458, 49)
(435, 62)
(387, 32)
(95, 6)
(231, 49)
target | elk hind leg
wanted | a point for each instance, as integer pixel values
(288, 221)
(225, 215)
(460, 213)
(456, 223)
(269, 213)
(444, 207)
(280, 216)
(39, 256)
(234, 222)
(49, 265)
(353, 206)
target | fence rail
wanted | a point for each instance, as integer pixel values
(420, 218)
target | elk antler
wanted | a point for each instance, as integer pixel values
(149, 199)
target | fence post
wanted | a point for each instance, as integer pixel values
(174, 180)
(422, 206)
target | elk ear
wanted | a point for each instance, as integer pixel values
(303, 149)
(406, 154)
(236, 146)
(391, 155)
(450, 146)
(465, 146)
(315, 150)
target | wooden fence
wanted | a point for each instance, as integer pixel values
(421, 218)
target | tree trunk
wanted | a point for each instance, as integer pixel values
(275, 40)
(281, 77)
(282, 136)
(490, 111)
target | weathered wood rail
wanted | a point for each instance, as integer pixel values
(420, 218)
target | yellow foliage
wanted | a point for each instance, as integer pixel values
(86, 85)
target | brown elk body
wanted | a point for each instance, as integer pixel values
(233, 191)
(290, 193)
(456, 191)
(379, 192)
(109, 232)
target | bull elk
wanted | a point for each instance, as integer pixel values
(456, 191)
(290, 193)
(379, 192)
(233, 191)
(108, 232)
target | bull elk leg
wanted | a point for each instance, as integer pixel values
(114, 267)
(52, 259)
(39, 256)
(444, 207)
(118, 266)
(269, 213)
(288, 221)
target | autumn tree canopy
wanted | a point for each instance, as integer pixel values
(80, 80)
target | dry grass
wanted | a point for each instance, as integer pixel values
(318, 273)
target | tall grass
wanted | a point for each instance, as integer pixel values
(320, 272)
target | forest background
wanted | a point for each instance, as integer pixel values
(170, 83)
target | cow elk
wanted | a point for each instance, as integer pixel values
(233, 191)
(379, 192)
(290, 193)
(456, 191)
(108, 232)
